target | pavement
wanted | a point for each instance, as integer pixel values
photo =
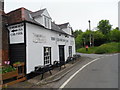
(57, 75)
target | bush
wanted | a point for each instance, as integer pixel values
(90, 50)
(7, 69)
(108, 48)
(101, 50)
(119, 47)
(105, 48)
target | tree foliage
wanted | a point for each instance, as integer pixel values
(78, 42)
(104, 26)
(104, 34)
(115, 35)
(99, 38)
(76, 33)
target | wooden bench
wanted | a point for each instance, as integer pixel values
(42, 69)
(58, 64)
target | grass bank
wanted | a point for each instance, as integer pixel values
(104, 48)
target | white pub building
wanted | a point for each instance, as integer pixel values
(36, 40)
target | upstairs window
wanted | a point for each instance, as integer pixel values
(46, 22)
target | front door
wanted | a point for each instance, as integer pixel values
(61, 53)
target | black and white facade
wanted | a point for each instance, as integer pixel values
(36, 40)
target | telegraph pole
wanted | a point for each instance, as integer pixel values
(93, 39)
(90, 30)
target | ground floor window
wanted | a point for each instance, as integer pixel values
(47, 55)
(70, 51)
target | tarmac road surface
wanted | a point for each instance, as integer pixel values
(102, 72)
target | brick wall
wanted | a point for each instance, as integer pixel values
(15, 16)
(1, 3)
(3, 35)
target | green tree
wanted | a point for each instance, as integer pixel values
(86, 36)
(78, 41)
(115, 35)
(99, 38)
(104, 26)
(77, 32)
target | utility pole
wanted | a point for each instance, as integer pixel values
(90, 30)
(93, 39)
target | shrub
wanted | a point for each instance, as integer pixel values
(101, 50)
(7, 69)
(104, 48)
(90, 50)
(108, 48)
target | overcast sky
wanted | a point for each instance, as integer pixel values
(77, 12)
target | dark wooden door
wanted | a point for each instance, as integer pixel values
(61, 53)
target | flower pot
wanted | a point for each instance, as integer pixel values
(20, 64)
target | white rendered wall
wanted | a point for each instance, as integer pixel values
(35, 52)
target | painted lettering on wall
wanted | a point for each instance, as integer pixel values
(58, 39)
(39, 38)
(16, 33)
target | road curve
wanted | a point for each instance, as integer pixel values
(102, 73)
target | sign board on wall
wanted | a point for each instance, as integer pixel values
(16, 33)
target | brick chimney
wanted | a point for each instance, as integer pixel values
(3, 35)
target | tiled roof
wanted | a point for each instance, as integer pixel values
(63, 25)
(55, 27)
(23, 14)
(37, 13)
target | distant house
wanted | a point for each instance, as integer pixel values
(36, 40)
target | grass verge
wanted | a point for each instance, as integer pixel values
(104, 48)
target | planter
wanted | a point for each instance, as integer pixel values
(8, 75)
(19, 64)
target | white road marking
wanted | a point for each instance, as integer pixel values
(71, 77)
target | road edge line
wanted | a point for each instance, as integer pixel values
(72, 76)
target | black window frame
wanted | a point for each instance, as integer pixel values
(47, 56)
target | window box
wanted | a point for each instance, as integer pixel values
(8, 72)
(9, 75)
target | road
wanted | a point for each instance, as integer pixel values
(100, 73)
